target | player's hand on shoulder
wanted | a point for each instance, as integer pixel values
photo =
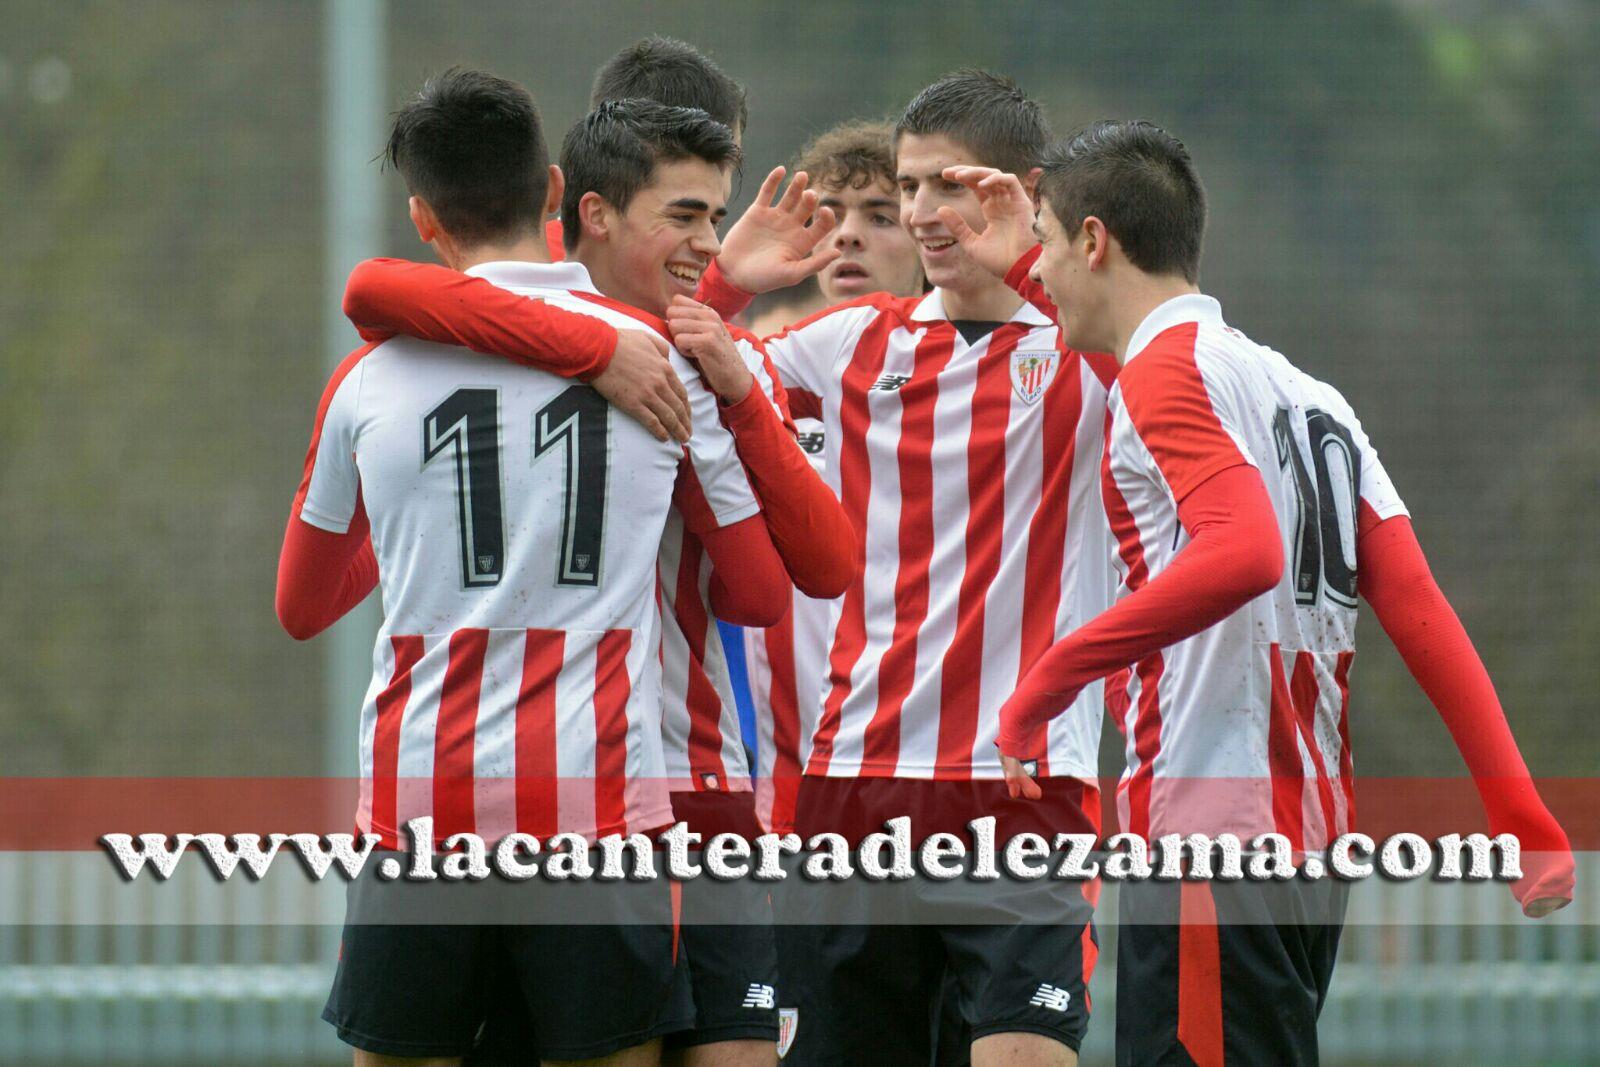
(700, 334)
(640, 382)
(776, 245)
(1007, 215)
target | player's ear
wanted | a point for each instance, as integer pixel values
(1096, 243)
(423, 218)
(595, 216)
(557, 186)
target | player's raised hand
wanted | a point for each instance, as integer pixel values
(640, 382)
(700, 334)
(1019, 783)
(1007, 215)
(778, 244)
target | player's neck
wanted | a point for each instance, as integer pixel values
(531, 249)
(1142, 294)
(990, 301)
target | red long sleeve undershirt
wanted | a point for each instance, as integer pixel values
(1235, 555)
(808, 525)
(322, 575)
(386, 297)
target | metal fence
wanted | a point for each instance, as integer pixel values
(193, 972)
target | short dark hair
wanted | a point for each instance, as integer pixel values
(1138, 179)
(471, 145)
(614, 151)
(986, 112)
(674, 72)
(853, 154)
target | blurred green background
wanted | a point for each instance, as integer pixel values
(1403, 198)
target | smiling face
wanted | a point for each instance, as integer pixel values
(920, 160)
(663, 242)
(878, 254)
(1063, 270)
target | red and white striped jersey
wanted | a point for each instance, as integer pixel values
(971, 472)
(700, 720)
(516, 521)
(787, 665)
(1243, 727)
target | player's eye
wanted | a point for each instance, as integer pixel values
(884, 220)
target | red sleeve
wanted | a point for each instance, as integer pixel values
(749, 586)
(807, 523)
(1235, 554)
(719, 294)
(1395, 579)
(1030, 290)
(385, 297)
(322, 575)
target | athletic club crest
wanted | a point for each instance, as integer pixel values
(1031, 372)
(788, 1023)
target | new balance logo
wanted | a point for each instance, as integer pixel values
(1050, 997)
(810, 443)
(889, 383)
(760, 996)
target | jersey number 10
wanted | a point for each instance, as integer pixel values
(467, 424)
(1325, 496)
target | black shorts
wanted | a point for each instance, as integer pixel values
(1235, 972)
(581, 990)
(894, 991)
(733, 966)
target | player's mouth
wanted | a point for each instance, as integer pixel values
(686, 276)
(852, 277)
(936, 249)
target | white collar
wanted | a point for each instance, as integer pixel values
(931, 309)
(521, 274)
(1190, 307)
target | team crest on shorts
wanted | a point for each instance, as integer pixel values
(1032, 372)
(788, 1023)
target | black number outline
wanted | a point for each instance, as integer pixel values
(580, 419)
(1320, 565)
(472, 433)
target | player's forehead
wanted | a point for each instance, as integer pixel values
(924, 156)
(687, 183)
(850, 194)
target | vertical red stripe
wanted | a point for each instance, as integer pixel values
(455, 734)
(1146, 743)
(1047, 532)
(700, 696)
(611, 690)
(386, 738)
(855, 488)
(783, 702)
(538, 771)
(1286, 770)
(1199, 975)
(1347, 770)
(1147, 722)
(959, 687)
(1303, 688)
(914, 454)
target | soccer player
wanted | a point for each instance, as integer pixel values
(851, 167)
(1251, 511)
(963, 439)
(625, 214)
(514, 526)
